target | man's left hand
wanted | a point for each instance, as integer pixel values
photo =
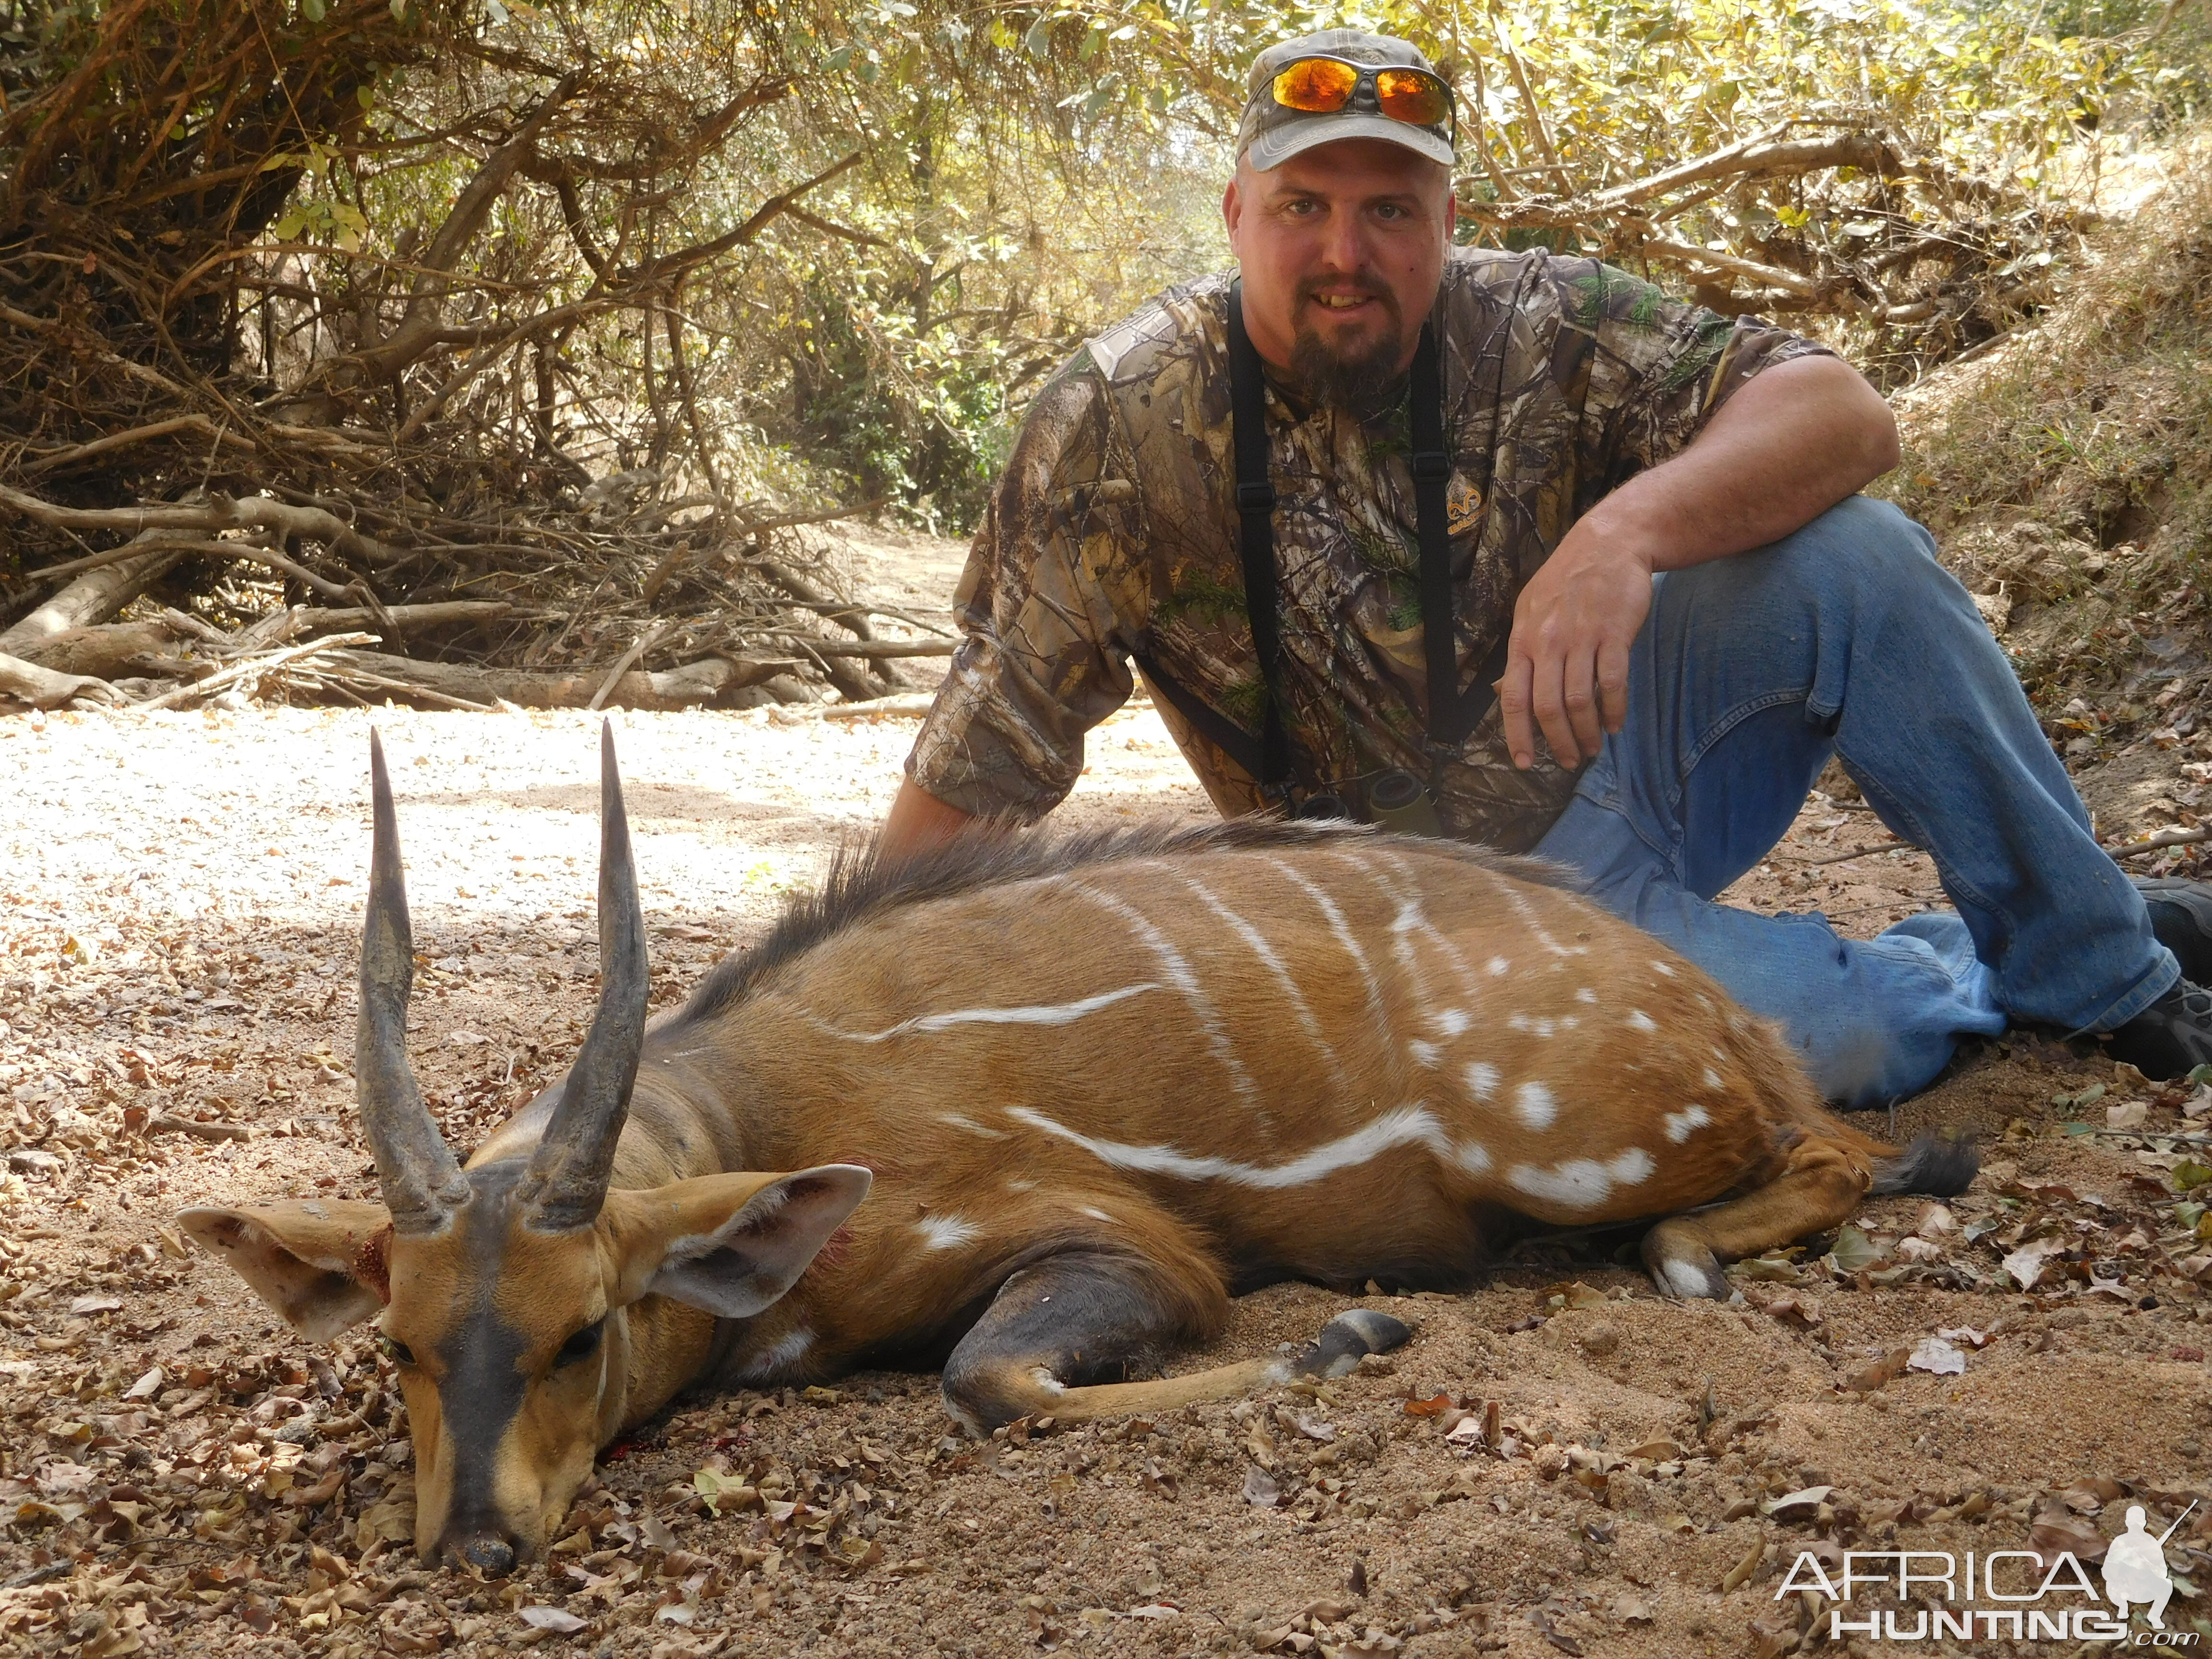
(1568, 661)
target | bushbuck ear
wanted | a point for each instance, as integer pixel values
(320, 1263)
(732, 1244)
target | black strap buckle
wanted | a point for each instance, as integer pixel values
(1255, 497)
(1432, 466)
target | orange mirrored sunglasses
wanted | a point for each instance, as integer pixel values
(1322, 86)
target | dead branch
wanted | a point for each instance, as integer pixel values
(44, 688)
(697, 684)
(138, 435)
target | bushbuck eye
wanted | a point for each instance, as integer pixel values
(581, 1345)
(398, 1353)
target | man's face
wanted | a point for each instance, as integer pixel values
(1342, 248)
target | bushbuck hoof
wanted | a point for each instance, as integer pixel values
(1348, 1338)
(491, 1555)
(1682, 1267)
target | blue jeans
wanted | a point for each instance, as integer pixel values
(1848, 638)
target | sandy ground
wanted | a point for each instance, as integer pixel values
(1560, 1462)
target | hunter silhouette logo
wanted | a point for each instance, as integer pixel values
(2017, 1593)
(2135, 1567)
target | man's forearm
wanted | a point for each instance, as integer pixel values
(1791, 443)
(917, 822)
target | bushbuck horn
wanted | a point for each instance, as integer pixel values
(567, 1181)
(422, 1182)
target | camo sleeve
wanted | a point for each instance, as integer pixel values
(1656, 368)
(1037, 664)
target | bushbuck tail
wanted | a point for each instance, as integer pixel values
(1095, 1086)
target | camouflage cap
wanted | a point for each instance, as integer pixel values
(1271, 134)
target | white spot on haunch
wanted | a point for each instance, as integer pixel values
(1535, 1026)
(1679, 1124)
(947, 1232)
(1481, 1079)
(970, 1126)
(1499, 967)
(1424, 1054)
(1586, 995)
(1048, 1013)
(1042, 1376)
(1020, 1186)
(1473, 1157)
(1095, 1214)
(1658, 967)
(1450, 1022)
(1403, 1126)
(1712, 1079)
(1581, 1183)
(1640, 1021)
(1534, 1105)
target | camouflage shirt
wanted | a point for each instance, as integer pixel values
(1113, 532)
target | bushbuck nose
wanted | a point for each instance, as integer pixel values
(489, 1553)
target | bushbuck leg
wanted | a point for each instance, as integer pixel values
(1818, 1187)
(1055, 1326)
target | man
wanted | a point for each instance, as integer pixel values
(1654, 547)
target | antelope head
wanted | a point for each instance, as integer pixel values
(506, 1292)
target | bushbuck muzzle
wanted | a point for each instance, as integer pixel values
(512, 1293)
(1103, 1083)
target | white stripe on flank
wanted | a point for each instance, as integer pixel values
(1179, 976)
(1042, 1013)
(1534, 1105)
(1257, 943)
(1405, 1126)
(1583, 1183)
(1534, 1025)
(1441, 939)
(1337, 926)
(970, 1126)
(947, 1232)
(1679, 1124)
(1526, 912)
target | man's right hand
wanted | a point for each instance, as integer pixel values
(918, 822)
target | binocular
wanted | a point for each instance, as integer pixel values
(1396, 801)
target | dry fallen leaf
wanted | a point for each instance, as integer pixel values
(1935, 1355)
(559, 1620)
(1792, 1505)
(1260, 1488)
(2027, 1263)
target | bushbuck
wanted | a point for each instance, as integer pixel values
(1095, 1086)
